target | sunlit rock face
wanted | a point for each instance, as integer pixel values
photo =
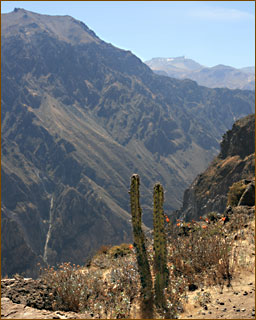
(235, 162)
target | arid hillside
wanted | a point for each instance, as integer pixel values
(79, 117)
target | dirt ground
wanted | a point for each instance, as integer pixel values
(236, 302)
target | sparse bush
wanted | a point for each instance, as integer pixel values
(237, 221)
(120, 251)
(69, 287)
(213, 216)
(203, 255)
(175, 293)
(235, 193)
(104, 295)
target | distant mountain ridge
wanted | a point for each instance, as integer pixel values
(79, 117)
(215, 77)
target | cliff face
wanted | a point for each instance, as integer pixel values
(236, 161)
(79, 117)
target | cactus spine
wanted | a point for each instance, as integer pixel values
(141, 253)
(160, 250)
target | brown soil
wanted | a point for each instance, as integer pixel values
(236, 302)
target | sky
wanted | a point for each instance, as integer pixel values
(209, 32)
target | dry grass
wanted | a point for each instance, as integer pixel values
(192, 255)
(200, 254)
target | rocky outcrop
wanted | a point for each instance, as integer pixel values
(25, 298)
(235, 162)
(240, 140)
(10, 310)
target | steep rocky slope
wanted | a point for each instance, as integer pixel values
(219, 76)
(79, 116)
(236, 161)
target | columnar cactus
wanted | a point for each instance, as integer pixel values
(160, 250)
(141, 253)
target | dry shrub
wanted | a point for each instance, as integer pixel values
(202, 255)
(238, 221)
(199, 253)
(69, 286)
(120, 250)
(104, 296)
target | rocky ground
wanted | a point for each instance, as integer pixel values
(236, 302)
(10, 310)
(30, 299)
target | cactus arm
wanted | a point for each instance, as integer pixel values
(160, 250)
(139, 244)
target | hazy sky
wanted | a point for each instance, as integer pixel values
(210, 32)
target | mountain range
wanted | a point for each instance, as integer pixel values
(220, 76)
(79, 117)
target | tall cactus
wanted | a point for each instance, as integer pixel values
(141, 253)
(160, 250)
